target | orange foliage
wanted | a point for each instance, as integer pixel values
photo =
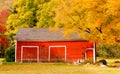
(3, 18)
(4, 41)
(2, 29)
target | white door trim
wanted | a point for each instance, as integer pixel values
(55, 47)
(16, 51)
(94, 56)
(31, 47)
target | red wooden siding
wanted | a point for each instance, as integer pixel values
(43, 53)
(74, 50)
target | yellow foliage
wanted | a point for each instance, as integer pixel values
(96, 20)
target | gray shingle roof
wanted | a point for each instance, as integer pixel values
(43, 34)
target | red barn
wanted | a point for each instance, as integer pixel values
(43, 45)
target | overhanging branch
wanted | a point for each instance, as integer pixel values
(99, 29)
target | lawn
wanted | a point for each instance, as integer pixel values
(55, 68)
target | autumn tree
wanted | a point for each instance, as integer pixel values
(4, 13)
(95, 20)
(45, 15)
(30, 14)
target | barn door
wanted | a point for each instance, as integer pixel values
(29, 54)
(57, 53)
(89, 54)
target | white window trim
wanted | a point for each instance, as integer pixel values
(31, 47)
(94, 59)
(16, 51)
(56, 46)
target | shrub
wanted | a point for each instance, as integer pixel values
(108, 51)
(10, 54)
